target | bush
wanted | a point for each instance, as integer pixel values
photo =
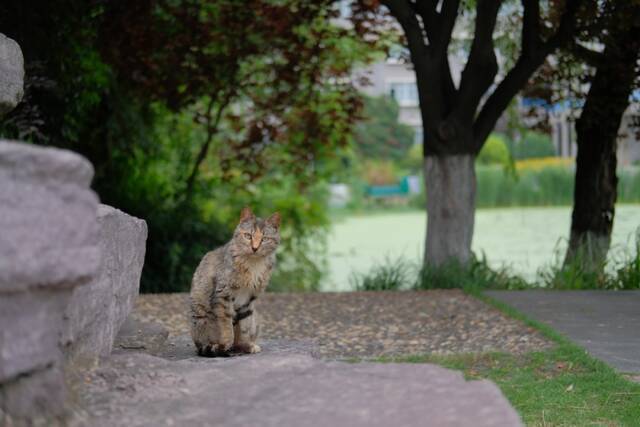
(629, 185)
(399, 274)
(151, 184)
(387, 276)
(545, 187)
(621, 271)
(414, 160)
(533, 145)
(380, 172)
(627, 269)
(379, 135)
(476, 275)
(537, 182)
(494, 151)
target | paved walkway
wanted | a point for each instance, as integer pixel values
(370, 324)
(606, 323)
(285, 385)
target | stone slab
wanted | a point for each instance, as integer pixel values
(285, 386)
(603, 322)
(30, 332)
(138, 335)
(11, 74)
(48, 246)
(48, 227)
(98, 309)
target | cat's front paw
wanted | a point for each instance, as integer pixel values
(214, 350)
(247, 348)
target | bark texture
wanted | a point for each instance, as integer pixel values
(451, 191)
(597, 128)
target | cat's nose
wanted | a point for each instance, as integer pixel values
(254, 248)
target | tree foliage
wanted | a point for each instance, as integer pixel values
(191, 109)
(379, 135)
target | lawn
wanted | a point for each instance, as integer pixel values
(523, 239)
(563, 386)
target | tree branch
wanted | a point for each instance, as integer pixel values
(438, 28)
(426, 9)
(212, 129)
(405, 15)
(482, 65)
(527, 64)
(530, 27)
(589, 56)
(566, 27)
(448, 17)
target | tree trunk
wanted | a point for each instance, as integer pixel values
(594, 199)
(450, 181)
(596, 182)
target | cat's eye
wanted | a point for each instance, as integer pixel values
(247, 235)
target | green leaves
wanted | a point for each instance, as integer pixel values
(379, 135)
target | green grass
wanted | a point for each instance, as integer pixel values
(399, 274)
(620, 273)
(562, 386)
(550, 185)
(390, 275)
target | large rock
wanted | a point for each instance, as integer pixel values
(284, 386)
(48, 246)
(11, 74)
(98, 310)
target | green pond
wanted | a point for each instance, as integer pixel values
(525, 239)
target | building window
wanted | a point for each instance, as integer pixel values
(404, 93)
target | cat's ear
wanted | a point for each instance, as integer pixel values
(246, 214)
(274, 219)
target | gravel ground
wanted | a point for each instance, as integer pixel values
(369, 324)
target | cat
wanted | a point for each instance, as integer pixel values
(226, 284)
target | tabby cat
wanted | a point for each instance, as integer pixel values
(226, 285)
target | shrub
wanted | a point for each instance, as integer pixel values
(627, 270)
(475, 275)
(494, 151)
(533, 145)
(380, 172)
(390, 275)
(400, 274)
(621, 271)
(537, 182)
(414, 160)
(380, 135)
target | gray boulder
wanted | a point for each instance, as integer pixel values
(48, 246)
(11, 74)
(98, 310)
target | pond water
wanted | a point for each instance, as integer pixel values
(525, 239)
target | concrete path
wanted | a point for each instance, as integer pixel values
(285, 385)
(606, 323)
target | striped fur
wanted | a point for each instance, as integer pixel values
(226, 285)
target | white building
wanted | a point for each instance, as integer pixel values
(397, 79)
